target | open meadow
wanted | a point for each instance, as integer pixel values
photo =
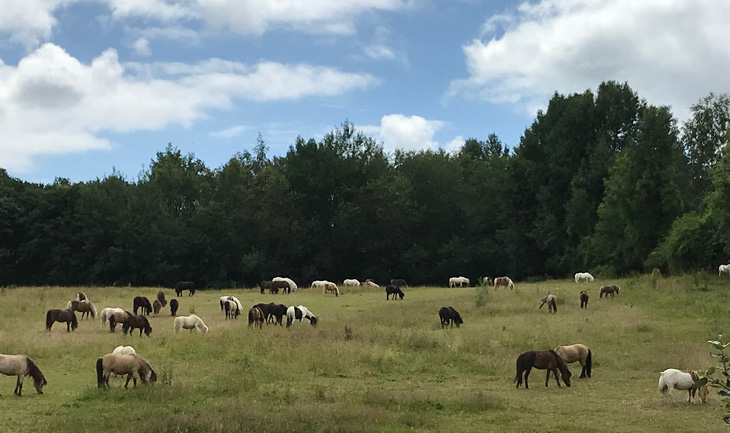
(399, 372)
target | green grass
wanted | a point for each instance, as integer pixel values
(399, 372)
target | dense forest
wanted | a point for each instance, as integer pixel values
(601, 182)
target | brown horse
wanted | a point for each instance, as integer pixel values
(543, 360)
(123, 364)
(577, 352)
(173, 307)
(583, 299)
(331, 288)
(85, 307)
(67, 316)
(161, 298)
(503, 281)
(81, 296)
(21, 366)
(256, 316)
(117, 317)
(136, 322)
(156, 306)
(611, 289)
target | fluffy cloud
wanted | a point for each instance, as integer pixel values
(52, 103)
(397, 131)
(28, 21)
(142, 47)
(672, 53)
(455, 144)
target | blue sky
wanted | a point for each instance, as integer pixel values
(91, 85)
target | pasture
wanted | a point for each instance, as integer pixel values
(398, 371)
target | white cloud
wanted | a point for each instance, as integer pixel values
(398, 131)
(671, 53)
(455, 144)
(231, 132)
(163, 10)
(380, 48)
(52, 103)
(28, 21)
(142, 47)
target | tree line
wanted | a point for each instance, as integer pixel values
(602, 182)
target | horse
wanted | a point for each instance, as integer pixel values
(611, 289)
(67, 316)
(277, 313)
(351, 282)
(185, 285)
(190, 322)
(583, 299)
(156, 307)
(231, 309)
(723, 269)
(280, 284)
(398, 282)
(577, 352)
(550, 300)
(21, 366)
(487, 281)
(543, 360)
(265, 285)
(449, 316)
(143, 303)
(173, 307)
(161, 298)
(458, 281)
(124, 350)
(292, 285)
(106, 314)
(84, 307)
(318, 284)
(370, 283)
(266, 309)
(256, 316)
(117, 317)
(393, 290)
(300, 312)
(81, 296)
(583, 277)
(331, 288)
(133, 322)
(123, 364)
(503, 281)
(237, 304)
(671, 379)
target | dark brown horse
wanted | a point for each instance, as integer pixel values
(393, 290)
(611, 289)
(583, 299)
(283, 285)
(143, 303)
(161, 298)
(173, 307)
(265, 285)
(156, 307)
(449, 316)
(543, 360)
(67, 316)
(136, 322)
(185, 285)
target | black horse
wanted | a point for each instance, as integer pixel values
(277, 313)
(283, 285)
(398, 282)
(185, 285)
(265, 285)
(393, 290)
(136, 322)
(173, 307)
(67, 316)
(144, 304)
(449, 316)
(161, 298)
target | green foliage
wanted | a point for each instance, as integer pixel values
(722, 382)
(481, 295)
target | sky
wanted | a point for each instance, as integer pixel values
(91, 87)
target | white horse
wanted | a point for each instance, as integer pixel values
(671, 379)
(190, 322)
(723, 269)
(106, 313)
(583, 277)
(291, 282)
(318, 284)
(300, 313)
(458, 281)
(351, 282)
(370, 283)
(124, 350)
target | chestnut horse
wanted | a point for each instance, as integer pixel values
(67, 316)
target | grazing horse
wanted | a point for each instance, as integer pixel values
(318, 283)
(351, 282)
(67, 316)
(550, 300)
(577, 352)
(231, 309)
(124, 350)
(583, 277)
(449, 316)
(398, 282)
(161, 298)
(543, 360)
(185, 285)
(458, 281)
(266, 309)
(173, 307)
(190, 322)
(156, 307)
(723, 269)
(265, 285)
(237, 306)
(292, 285)
(130, 365)
(277, 313)
(671, 379)
(370, 283)
(143, 303)
(81, 296)
(611, 289)
(300, 312)
(503, 281)
(256, 316)
(331, 288)
(133, 322)
(583, 299)
(117, 317)
(106, 313)
(21, 366)
(84, 307)
(487, 281)
(393, 290)
(280, 284)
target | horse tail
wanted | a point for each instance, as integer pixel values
(589, 363)
(49, 320)
(100, 372)
(663, 387)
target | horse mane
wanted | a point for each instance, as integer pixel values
(34, 371)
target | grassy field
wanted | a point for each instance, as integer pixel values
(399, 372)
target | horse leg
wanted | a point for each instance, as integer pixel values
(527, 373)
(555, 372)
(583, 370)
(19, 385)
(129, 376)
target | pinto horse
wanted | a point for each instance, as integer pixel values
(577, 352)
(106, 313)
(21, 366)
(84, 307)
(543, 360)
(130, 365)
(133, 322)
(331, 288)
(300, 312)
(671, 379)
(503, 281)
(67, 316)
(449, 316)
